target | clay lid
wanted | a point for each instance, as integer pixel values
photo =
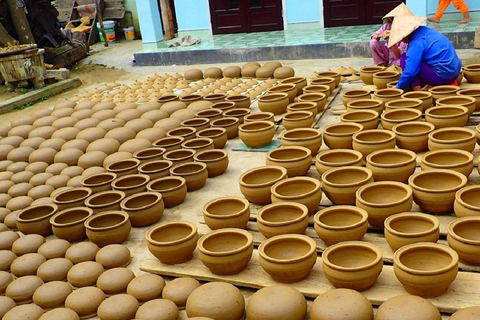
(178, 290)
(6, 304)
(120, 306)
(113, 256)
(158, 309)
(7, 238)
(283, 302)
(5, 279)
(84, 273)
(407, 307)
(27, 264)
(6, 259)
(114, 281)
(85, 301)
(28, 244)
(55, 248)
(28, 311)
(21, 290)
(82, 251)
(52, 294)
(341, 304)
(60, 314)
(54, 269)
(146, 287)
(217, 300)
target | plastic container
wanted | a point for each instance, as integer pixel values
(129, 33)
(109, 30)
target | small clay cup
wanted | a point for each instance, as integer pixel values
(131, 184)
(173, 190)
(194, 173)
(335, 158)
(256, 134)
(453, 159)
(105, 201)
(392, 164)
(340, 184)
(216, 161)
(156, 169)
(226, 212)
(99, 182)
(172, 242)
(304, 190)
(124, 167)
(340, 135)
(36, 219)
(69, 224)
(143, 208)
(467, 202)
(367, 118)
(413, 135)
(282, 218)
(256, 183)
(462, 237)
(297, 160)
(74, 197)
(109, 227)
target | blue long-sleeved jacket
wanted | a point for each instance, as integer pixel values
(429, 46)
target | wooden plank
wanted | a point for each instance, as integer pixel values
(166, 21)
(463, 292)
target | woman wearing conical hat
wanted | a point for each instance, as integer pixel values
(431, 59)
(382, 55)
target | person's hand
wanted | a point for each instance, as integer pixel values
(416, 88)
(427, 87)
(386, 34)
(375, 37)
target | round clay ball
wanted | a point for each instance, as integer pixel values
(27, 264)
(55, 248)
(85, 274)
(193, 74)
(85, 301)
(341, 304)
(6, 304)
(5, 279)
(21, 290)
(60, 314)
(27, 311)
(28, 244)
(178, 290)
(82, 251)
(113, 256)
(158, 309)
(407, 307)
(6, 259)
(54, 269)
(118, 307)
(284, 302)
(146, 287)
(52, 294)
(116, 280)
(7, 238)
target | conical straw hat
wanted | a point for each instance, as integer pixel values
(400, 10)
(403, 26)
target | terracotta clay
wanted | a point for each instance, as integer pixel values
(70, 198)
(68, 224)
(226, 212)
(173, 189)
(215, 160)
(85, 301)
(143, 208)
(118, 307)
(453, 159)
(6, 304)
(466, 202)
(304, 190)
(284, 302)
(146, 287)
(392, 164)
(5, 279)
(108, 227)
(6, 259)
(333, 305)
(27, 264)
(105, 201)
(413, 135)
(407, 306)
(282, 218)
(27, 244)
(54, 269)
(115, 280)
(29, 311)
(340, 184)
(82, 251)
(340, 135)
(21, 290)
(158, 309)
(85, 273)
(335, 158)
(60, 314)
(113, 256)
(52, 294)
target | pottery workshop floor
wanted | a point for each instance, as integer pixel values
(226, 184)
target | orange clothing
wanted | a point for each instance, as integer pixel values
(443, 4)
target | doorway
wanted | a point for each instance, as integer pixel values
(235, 16)
(356, 12)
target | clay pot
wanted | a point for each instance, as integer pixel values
(255, 184)
(85, 301)
(198, 144)
(461, 238)
(82, 251)
(411, 227)
(156, 169)
(352, 264)
(195, 174)
(99, 182)
(218, 135)
(300, 82)
(189, 98)
(241, 101)
(167, 98)
(285, 301)
(237, 113)
(173, 190)
(273, 102)
(304, 190)
(115, 281)
(471, 73)
(211, 114)
(303, 106)
(387, 94)
(337, 158)
(447, 116)
(288, 258)
(298, 119)
(260, 116)
(105, 201)
(464, 101)
(383, 199)
(257, 134)
(404, 104)
(187, 133)
(178, 290)
(366, 104)
(392, 164)
(368, 141)
(149, 154)
(215, 97)
(169, 143)
(108, 227)
(36, 219)
(131, 184)
(424, 96)
(319, 98)
(341, 184)
(289, 88)
(397, 116)
(413, 135)
(355, 94)
(52, 294)
(452, 138)
(297, 160)
(330, 74)
(425, 269)
(366, 73)
(27, 264)
(197, 123)
(340, 135)
(226, 212)
(68, 224)
(471, 92)
(172, 242)
(70, 198)
(122, 168)
(22, 289)
(443, 91)
(453, 159)
(216, 161)
(327, 81)
(27, 244)
(226, 251)
(230, 124)
(144, 208)
(434, 190)
(179, 156)
(466, 203)
(303, 137)
(380, 79)
(282, 218)
(367, 118)
(341, 223)
(331, 304)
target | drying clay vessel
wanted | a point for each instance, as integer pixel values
(463, 239)
(108, 227)
(340, 135)
(256, 134)
(304, 190)
(453, 159)
(146, 287)
(82, 251)
(333, 305)
(282, 218)
(405, 306)
(144, 208)
(340, 184)
(85, 301)
(68, 224)
(466, 202)
(226, 212)
(178, 290)
(335, 158)
(255, 184)
(413, 135)
(392, 164)
(118, 307)
(297, 160)
(173, 189)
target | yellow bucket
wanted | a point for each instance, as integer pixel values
(129, 33)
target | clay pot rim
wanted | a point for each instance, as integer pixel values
(210, 113)
(99, 194)
(308, 180)
(447, 152)
(191, 97)
(459, 194)
(223, 105)
(412, 103)
(138, 154)
(420, 95)
(224, 154)
(359, 155)
(443, 89)
(214, 96)
(171, 141)
(273, 206)
(431, 135)
(371, 69)
(317, 134)
(306, 115)
(358, 211)
(86, 189)
(358, 126)
(425, 245)
(264, 126)
(417, 216)
(294, 105)
(386, 74)
(222, 132)
(169, 224)
(167, 155)
(353, 244)
(324, 78)
(230, 121)
(285, 238)
(321, 88)
(412, 123)
(273, 97)
(237, 112)
(225, 231)
(186, 164)
(295, 80)
(53, 210)
(413, 158)
(333, 73)
(345, 170)
(384, 185)
(474, 66)
(261, 116)
(318, 96)
(203, 121)
(237, 98)
(472, 92)
(381, 92)
(110, 167)
(145, 177)
(246, 206)
(141, 168)
(166, 98)
(177, 178)
(207, 142)
(282, 87)
(124, 207)
(372, 113)
(356, 93)
(180, 132)
(67, 211)
(307, 153)
(459, 97)
(85, 183)
(416, 112)
(391, 136)
(434, 172)
(255, 171)
(126, 218)
(462, 220)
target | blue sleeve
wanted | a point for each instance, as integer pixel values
(413, 63)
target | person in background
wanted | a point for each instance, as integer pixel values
(459, 4)
(382, 55)
(431, 59)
